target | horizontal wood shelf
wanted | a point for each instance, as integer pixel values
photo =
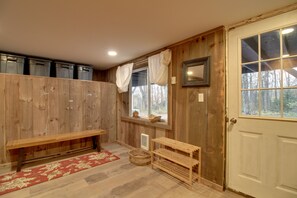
(175, 170)
(41, 140)
(146, 122)
(180, 163)
(188, 148)
(176, 157)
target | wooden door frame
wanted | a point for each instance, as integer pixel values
(278, 12)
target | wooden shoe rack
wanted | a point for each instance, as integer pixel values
(178, 159)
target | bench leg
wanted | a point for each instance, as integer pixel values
(96, 143)
(21, 159)
(94, 139)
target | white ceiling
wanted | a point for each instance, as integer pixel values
(84, 30)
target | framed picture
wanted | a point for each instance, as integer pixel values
(196, 72)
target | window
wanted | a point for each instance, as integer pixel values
(269, 74)
(147, 98)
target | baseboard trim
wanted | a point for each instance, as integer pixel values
(212, 185)
(8, 165)
(240, 193)
(125, 145)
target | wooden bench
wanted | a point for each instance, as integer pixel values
(21, 144)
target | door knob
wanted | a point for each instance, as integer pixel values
(233, 120)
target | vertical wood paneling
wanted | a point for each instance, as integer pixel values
(99, 75)
(198, 123)
(26, 107)
(160, 133)
(76, 105)
(36, 106)
(2, 119)
(12, 120)
(53, 113)
(53, 103)
(109, 105)
(40, 112)
(76, 108)
(91, 104)
(63, 105)
(130, 133)
(40, 107)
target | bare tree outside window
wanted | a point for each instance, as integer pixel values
(269, 74)
(148, 98)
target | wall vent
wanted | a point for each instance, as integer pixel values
(144, 141)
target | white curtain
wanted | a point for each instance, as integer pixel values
(123, 76)
(158, 67)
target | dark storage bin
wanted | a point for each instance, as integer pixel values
(12, 64)
(39, 67)
(64, 70)
(85, 72)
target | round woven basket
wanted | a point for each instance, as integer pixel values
(139, 157)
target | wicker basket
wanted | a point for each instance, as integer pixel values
(139, 157)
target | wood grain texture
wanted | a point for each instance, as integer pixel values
(32, 106)
(12, 123)
(109, 105)
(53, 114)
(2, 120)
(41, 140)
(26, 107)
(99, 75)
(201, 124)
(63, 105)
(64, 111)
(76, 108)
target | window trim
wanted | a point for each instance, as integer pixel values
(167, 124)
(259, 88)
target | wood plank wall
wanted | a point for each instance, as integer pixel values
(201, 124)
(37, 106)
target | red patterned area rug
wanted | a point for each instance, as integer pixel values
(31, 176)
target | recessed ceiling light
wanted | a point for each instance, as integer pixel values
(287, 31)
(112, 53)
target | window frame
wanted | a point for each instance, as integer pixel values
(145, 67)
(259, 88)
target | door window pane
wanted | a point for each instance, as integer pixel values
(249, 103)
(290, 103)
(289, 41)
(270, 45)
(140, 92)
(249, 49)
(249, 76)
(271, 74)
(159, 100)
(290, 72)
(270, 103)
(269, 84)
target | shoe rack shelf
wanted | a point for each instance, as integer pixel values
(178, 159)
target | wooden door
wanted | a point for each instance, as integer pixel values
(262, 95)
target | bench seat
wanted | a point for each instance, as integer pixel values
(21, 144)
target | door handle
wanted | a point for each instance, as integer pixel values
(233, 120)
